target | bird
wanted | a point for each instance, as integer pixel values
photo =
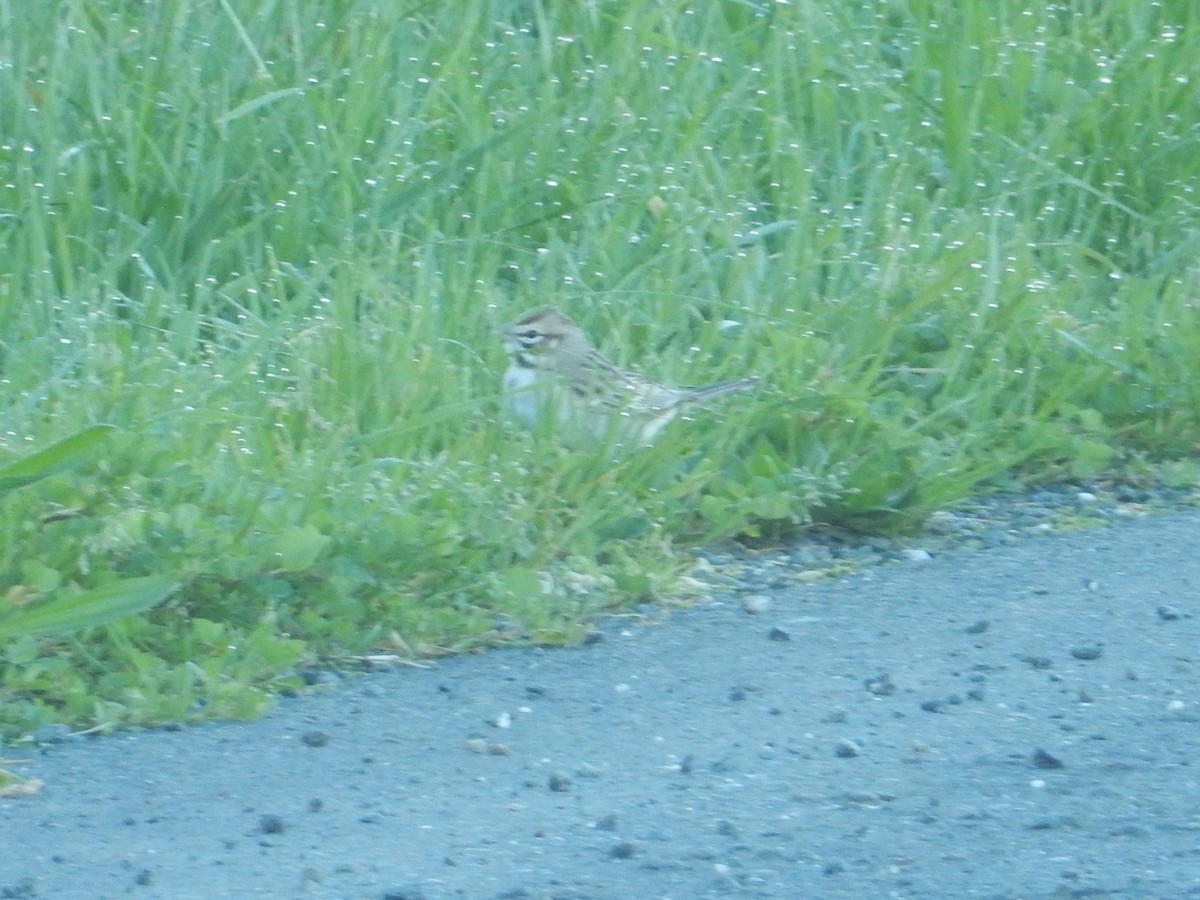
(556, 373)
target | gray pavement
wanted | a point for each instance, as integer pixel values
(1018, 722)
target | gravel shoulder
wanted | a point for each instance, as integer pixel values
(1020, 721)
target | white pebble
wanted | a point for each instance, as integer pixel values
(756, 604)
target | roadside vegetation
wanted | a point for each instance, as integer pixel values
(255, 255)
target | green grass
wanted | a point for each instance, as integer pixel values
(269, 242)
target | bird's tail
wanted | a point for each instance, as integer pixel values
(708, 391)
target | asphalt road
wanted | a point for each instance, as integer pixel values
(1018, 722)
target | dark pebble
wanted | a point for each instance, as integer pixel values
(270, 824)
(1054, 823)
(559, 783)
(313, 677)
(778, 634)
(623, 850)
(724, 766)
(314, 738)
(1044, 760)
(1087, 651)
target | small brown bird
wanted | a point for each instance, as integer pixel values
(554, 367)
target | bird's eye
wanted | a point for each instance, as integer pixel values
(530, 334)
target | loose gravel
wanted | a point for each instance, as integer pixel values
(1018, 721)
